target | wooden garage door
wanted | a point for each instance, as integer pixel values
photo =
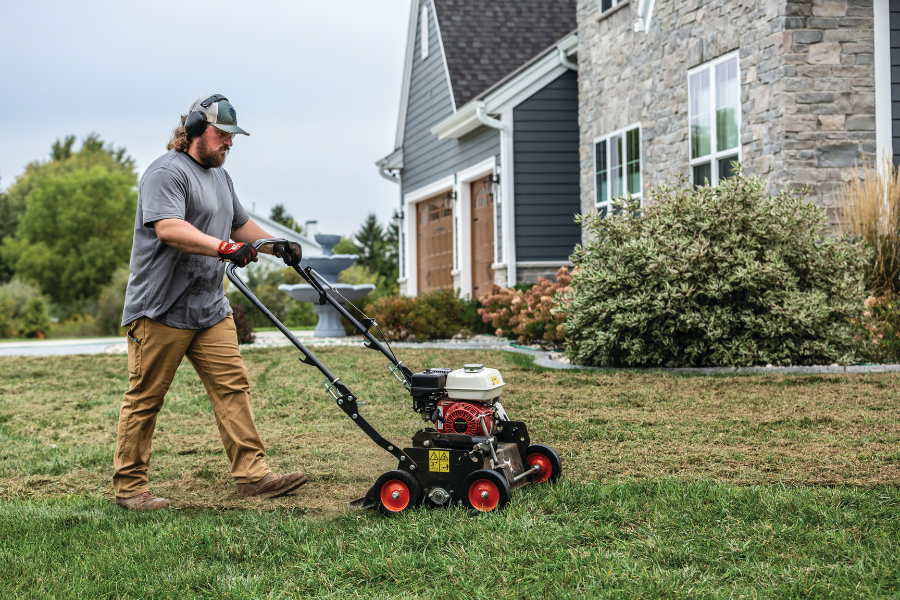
(434, 243)
(482, 237)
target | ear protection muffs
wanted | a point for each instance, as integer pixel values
(195, 123)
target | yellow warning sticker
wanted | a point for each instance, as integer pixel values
(439, 461)
(495, 380)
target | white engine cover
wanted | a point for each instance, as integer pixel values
(474, 382)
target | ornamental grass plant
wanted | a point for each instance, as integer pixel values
(869, 204)
(722, 276)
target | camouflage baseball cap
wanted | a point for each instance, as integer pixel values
(219, 112)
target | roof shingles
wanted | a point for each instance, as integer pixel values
(485, 40)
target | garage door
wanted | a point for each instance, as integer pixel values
(434, 243)
(482, 237)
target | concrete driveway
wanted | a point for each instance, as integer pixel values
(104, 345)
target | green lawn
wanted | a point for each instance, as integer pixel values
(726, 486)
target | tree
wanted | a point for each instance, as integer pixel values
(370, 240)
(9, 222)
(378, 253)
(280, 215)
(76, 226)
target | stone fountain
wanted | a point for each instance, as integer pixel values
(328, 265)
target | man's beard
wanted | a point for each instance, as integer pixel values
(211, 155)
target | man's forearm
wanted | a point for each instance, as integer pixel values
(184, 237)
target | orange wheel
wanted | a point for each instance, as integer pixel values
(484, 495)
(549, 461)
(542, 462)
(398, 491)
(394, 495)
(486, 490)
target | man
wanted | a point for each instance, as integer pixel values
(175, 304)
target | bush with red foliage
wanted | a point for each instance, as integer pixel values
(533, 316)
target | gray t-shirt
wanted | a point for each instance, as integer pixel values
(177, 289)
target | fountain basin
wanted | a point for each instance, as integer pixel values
(329, 319)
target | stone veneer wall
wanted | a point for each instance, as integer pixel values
(807, 85)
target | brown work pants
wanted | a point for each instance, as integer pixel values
(154, 353)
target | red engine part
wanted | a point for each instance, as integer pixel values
(462, 417)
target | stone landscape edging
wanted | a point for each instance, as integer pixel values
(542, 359)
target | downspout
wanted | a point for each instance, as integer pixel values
(506, 190)
(383, 171)
(490, 121)
(564, 60)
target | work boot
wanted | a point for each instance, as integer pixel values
(272, 485)
(145, 501)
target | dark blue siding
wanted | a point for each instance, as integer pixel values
(547, 178)
(425, 157)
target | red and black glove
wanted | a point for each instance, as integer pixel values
(238, 253)
(290, 253)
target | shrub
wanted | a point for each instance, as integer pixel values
(715, 276)
(870, 210)
(242, 324)
(111, 303)
(78, 326)
(531, 315)
(435, 315)
(263, 282)
(7, 316)
(34, 322)
(879, 329)
(23, 310)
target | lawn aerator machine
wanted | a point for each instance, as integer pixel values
(470, 453)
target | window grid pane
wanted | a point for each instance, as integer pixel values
(615, 166)
(633, 160)
(727, 105)
(726, 170)
(699, 109)
(602, 172)
(702, 174)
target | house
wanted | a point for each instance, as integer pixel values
(486, 153)
(799, 92)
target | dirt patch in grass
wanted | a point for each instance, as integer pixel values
(58, 420)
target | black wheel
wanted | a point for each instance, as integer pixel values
(485, 491)
(547, 459)
(397, 491)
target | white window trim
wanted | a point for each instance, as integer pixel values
(598, 204)
(424, 31)
(714, 156)
(884, 142)
(615, 4)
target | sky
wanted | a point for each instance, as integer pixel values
(316, 84)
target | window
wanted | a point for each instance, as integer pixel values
(423, 28)
(605, 5)
(617, 166)
(714, 100)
